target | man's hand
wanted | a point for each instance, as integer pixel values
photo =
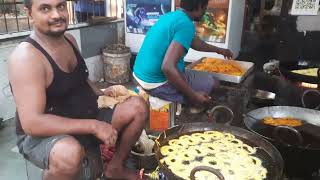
(200, 98)
(226, 53)
(200, 45)
(106, 133)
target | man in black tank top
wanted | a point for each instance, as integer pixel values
(57, 104)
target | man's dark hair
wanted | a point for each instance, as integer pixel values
(191, 5)
(27, 3)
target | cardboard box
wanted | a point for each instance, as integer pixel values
(163, 118)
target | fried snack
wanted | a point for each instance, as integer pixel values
(201, 137)
(219, 150)
(167, 150)
(220, 66)
(214, 134)
(286, 121)
(178, 143)
(185, 139)
(308, 72)
(173, 161)
(113, 95)
(185, 156)
(116, 90)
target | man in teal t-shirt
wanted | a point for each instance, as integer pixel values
(159, 66)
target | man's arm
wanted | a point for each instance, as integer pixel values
(173, 55)
(28, 80)
(96, 90)
(199, 45)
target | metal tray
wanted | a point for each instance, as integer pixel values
(247, 66)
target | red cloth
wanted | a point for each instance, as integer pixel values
(106, 155)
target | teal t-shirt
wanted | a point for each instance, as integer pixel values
(174, 26)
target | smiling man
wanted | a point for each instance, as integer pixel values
(57, 113)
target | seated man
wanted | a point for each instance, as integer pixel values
(159, 66)
(57, 104)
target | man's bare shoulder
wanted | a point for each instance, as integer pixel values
(72, 39)
(24, 58)
(24, 53)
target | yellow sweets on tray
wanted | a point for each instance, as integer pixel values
(229, 67)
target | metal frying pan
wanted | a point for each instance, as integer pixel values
(287, 67)
(253, 120)
(301, 161)
(269, 155)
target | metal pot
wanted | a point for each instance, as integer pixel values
(287, 67)
(261, 97)
(266, 152)
(145, 161)
(301, 159)
(310, 95)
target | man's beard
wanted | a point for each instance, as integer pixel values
(57, 33)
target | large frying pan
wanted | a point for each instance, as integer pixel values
(269, 155)
(287, 67)
(253, 120)
(300, 159)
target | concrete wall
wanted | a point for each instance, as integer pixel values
(90, 39)
(7, 107)
(308, 23)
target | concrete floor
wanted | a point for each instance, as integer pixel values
(12, 164)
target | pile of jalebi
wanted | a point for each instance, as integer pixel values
(222, 151)
(286, 121)
(229, 67)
